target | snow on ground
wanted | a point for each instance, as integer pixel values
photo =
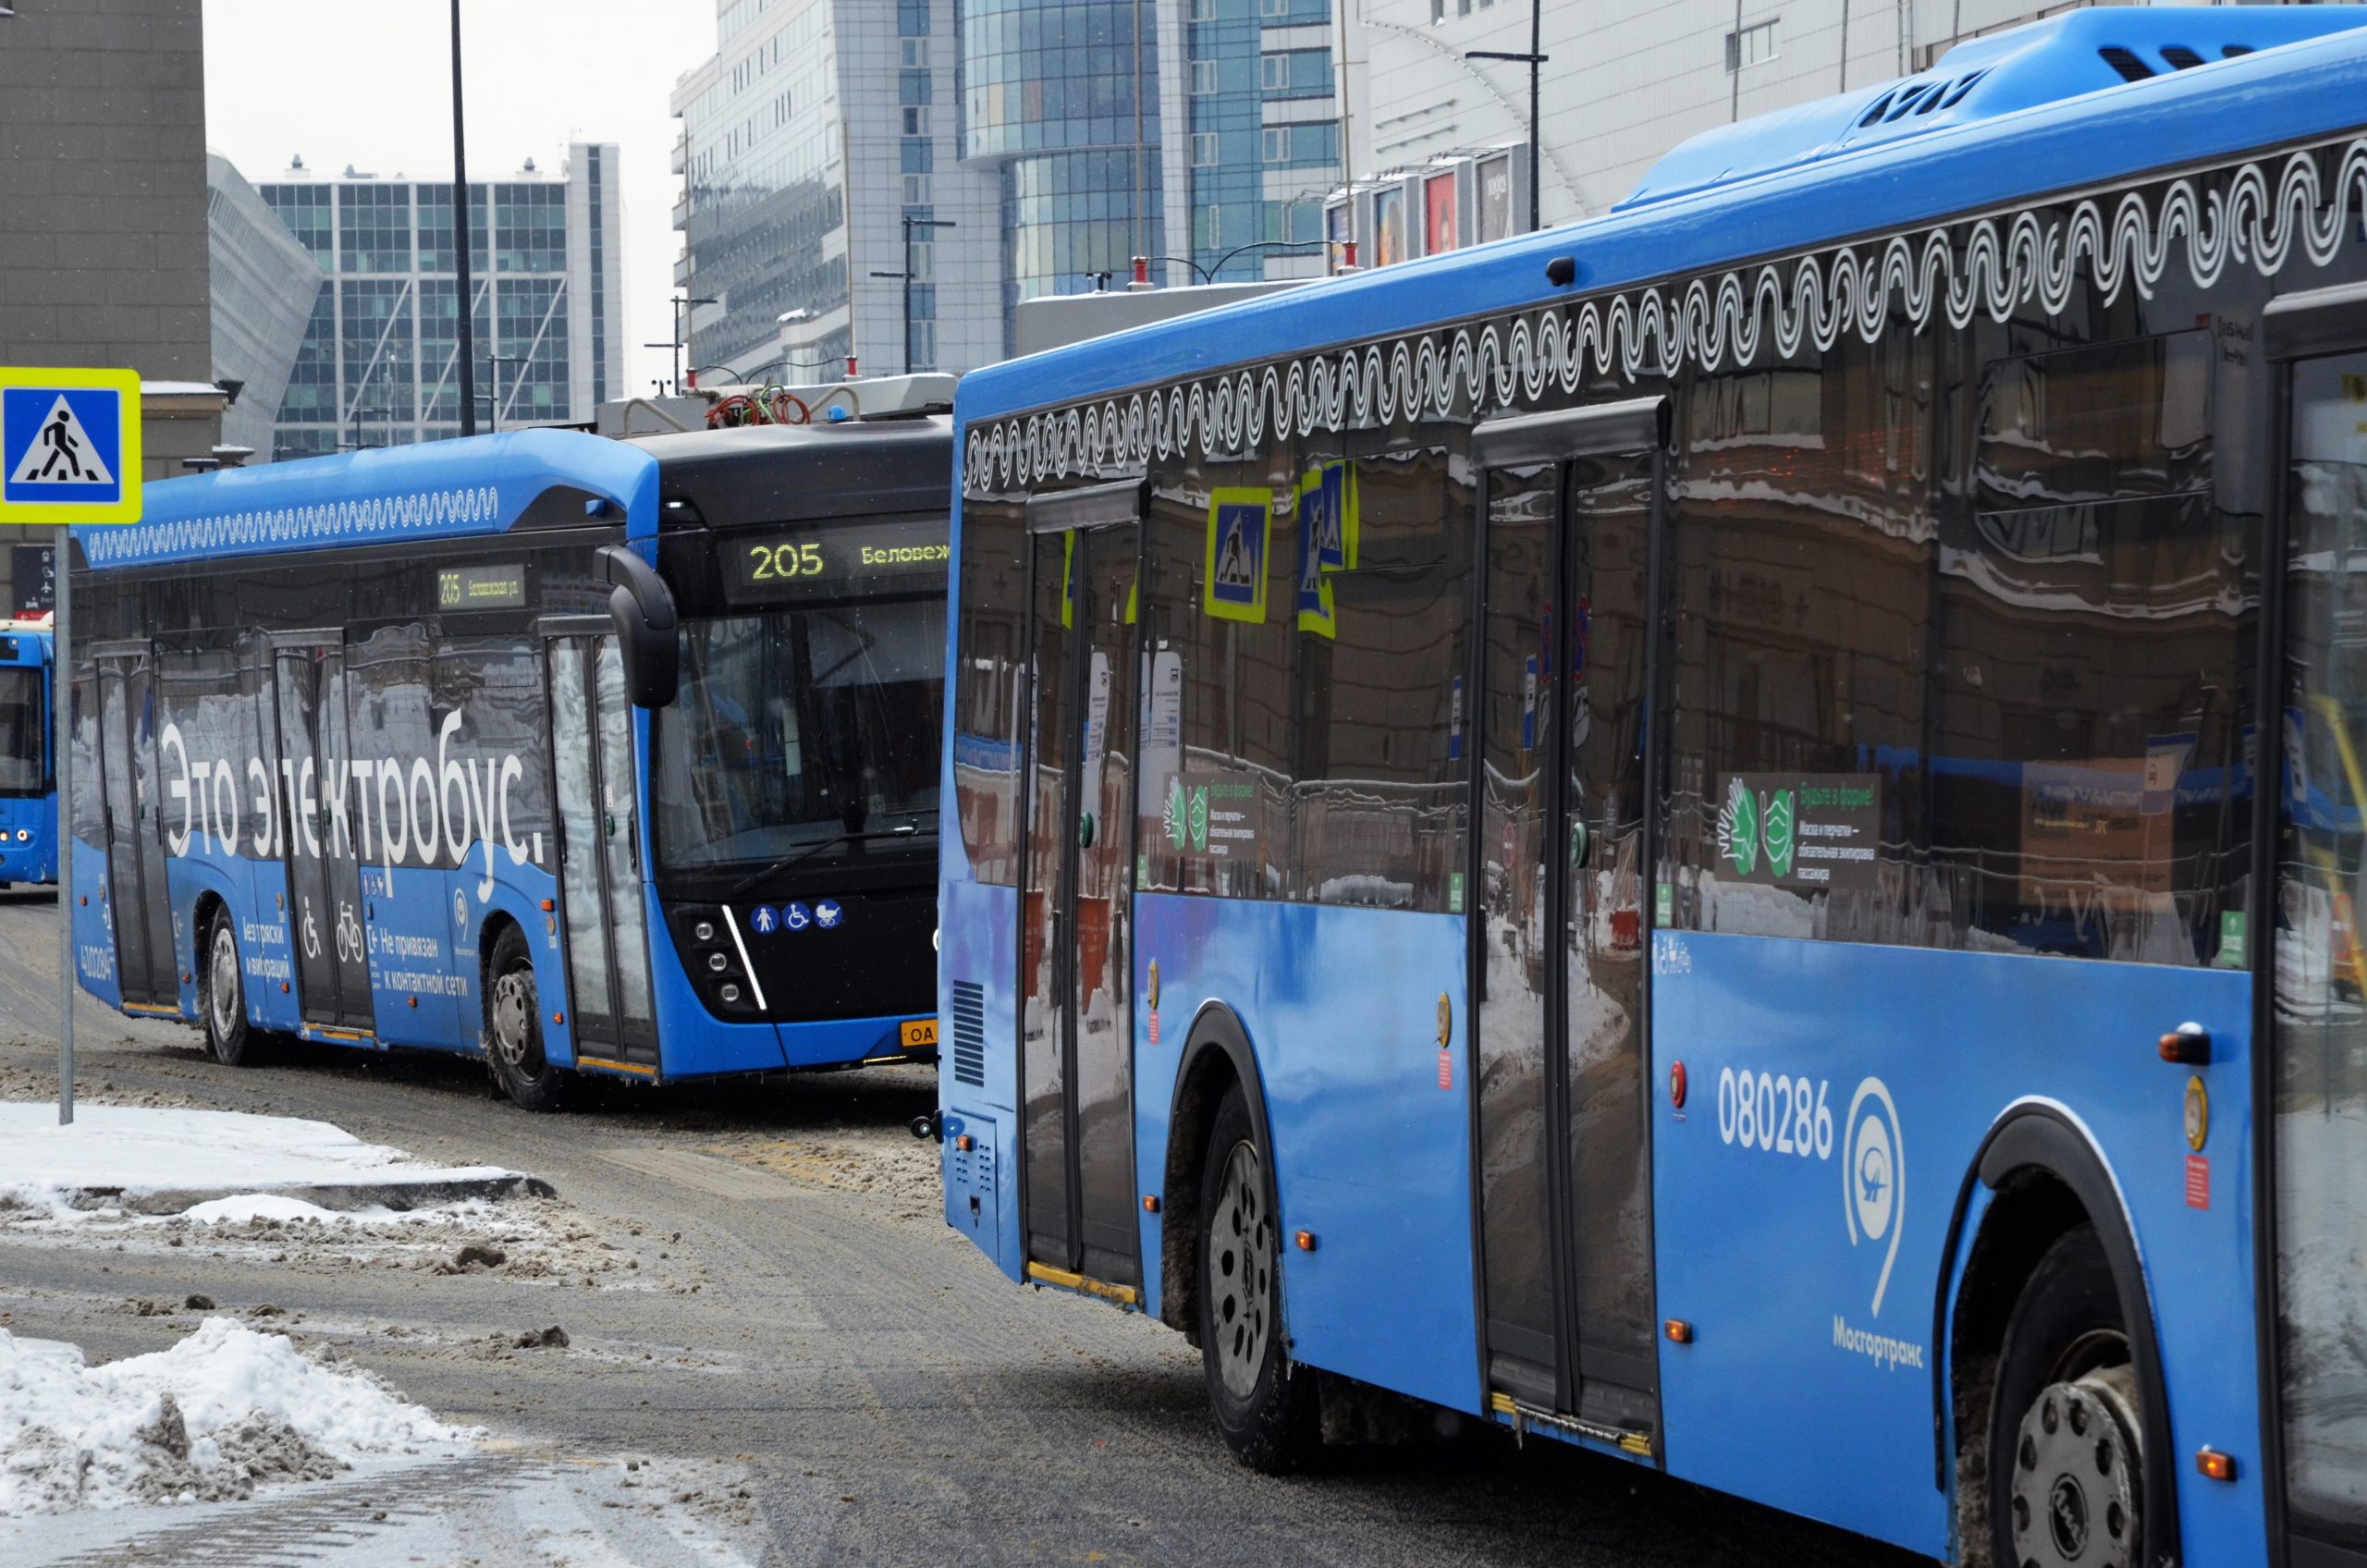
(220, 1413)
(145, 1150)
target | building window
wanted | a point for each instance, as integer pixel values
(1273, 8)
(1754, 45)
(1273, 72)
(1204, 10)
(1208, 230)
(1204, 76)
(916, 191)
(915, 51)
(1203, 149)
(915, 119)
(1278, 144)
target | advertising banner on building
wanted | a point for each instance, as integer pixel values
(1495, 203)
(1438, 213)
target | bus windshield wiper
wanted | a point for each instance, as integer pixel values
(803, 851)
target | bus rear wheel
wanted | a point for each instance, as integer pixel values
(513, 1028)
(221, 997)
(2067, 1467)
(1265, 1405)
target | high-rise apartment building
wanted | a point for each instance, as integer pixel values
(818, 168)
(1058, 138)
(379, 363)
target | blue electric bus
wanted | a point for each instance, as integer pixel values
(596, 757)
(1652, 832)
(27, 778)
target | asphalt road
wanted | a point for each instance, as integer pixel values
(774, 1253)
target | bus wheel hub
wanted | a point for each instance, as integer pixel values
(2076, 1475)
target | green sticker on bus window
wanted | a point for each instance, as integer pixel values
(1455, 893)
(2231, 940)
(1664, 904)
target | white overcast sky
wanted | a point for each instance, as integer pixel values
(369, 82)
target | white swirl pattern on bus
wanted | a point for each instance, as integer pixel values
(288, 527)
(1962, 268)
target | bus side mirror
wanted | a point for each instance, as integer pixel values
(643, 607)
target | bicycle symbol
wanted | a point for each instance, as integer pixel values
(348, 934)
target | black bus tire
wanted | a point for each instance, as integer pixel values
(221, 996)
(2066, 1459)
(513, 1028)
(1265, 1404)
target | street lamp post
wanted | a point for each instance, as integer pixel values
(912, 223)
(492, 404)
(1536, 61)
(461, 254)
(679, 302)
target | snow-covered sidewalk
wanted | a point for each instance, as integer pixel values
(218, 1414)
(162, 1161)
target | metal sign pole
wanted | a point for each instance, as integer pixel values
(61, 703)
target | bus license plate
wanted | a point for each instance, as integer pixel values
(920, 1035)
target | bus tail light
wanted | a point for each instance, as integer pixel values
(2216, 1466)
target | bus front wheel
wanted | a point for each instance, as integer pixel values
(513, 1028)
(221, 997)
(2066, 1466)
(1265, 1404)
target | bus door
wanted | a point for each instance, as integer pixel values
(323, 839)
(1564, 866)
(2312, 974)
(139, 906)
(1076, 1011)
(600, 899)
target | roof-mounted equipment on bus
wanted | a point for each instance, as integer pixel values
(2092, 50)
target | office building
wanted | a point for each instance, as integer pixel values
(378, 364)
(1037, 128)
(263, 287)
(103, 225)
(1438, 141)
(818, 159)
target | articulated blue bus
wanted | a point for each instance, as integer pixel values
(595, 757)
(1651, 832)
(28, 778)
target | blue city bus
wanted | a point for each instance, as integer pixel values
(595, 757)
(27, 778)
(1648, 832)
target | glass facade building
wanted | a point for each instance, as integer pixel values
(378, 363)
(1062, 97)
(816, 158)
(1262, 144)
(829, 142)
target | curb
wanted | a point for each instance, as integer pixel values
(342, 1197)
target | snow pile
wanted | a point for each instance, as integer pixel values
(138, 1150)
(222, 1412)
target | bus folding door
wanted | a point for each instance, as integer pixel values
(599, 842)
(1564, 859)
(1076, 1008)
(324, 871)
(139, 905)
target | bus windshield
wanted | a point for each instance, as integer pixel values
(798, 728)
(23, 736)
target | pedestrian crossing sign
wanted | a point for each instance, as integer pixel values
(1240, 526)
(69, 445)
